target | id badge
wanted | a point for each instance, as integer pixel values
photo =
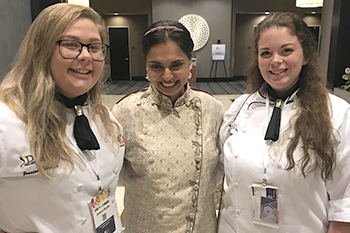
(102, 212)
(264, 205)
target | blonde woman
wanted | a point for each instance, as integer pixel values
(56, 155)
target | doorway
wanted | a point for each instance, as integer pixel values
(119, 53)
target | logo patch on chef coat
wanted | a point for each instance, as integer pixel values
(121, 141)
(27, 160)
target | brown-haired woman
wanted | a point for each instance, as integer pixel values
(287, 154)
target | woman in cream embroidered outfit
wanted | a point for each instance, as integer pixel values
(55, 152)
(171, 141)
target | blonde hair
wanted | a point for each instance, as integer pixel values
(29, 89)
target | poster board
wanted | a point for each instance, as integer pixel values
(218, 52)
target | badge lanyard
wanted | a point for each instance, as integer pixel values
(101, 206)
(264, 197)
(266, 157)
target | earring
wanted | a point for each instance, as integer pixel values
(147, 74)
(190, 76)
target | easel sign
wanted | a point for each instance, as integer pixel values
(218, 52)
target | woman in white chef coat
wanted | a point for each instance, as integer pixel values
(287, 153)
(56, 156)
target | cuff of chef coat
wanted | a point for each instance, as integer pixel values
(339, 210)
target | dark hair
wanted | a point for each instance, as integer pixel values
(167, 30)
(313, 122)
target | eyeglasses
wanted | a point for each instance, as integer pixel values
(70, 49)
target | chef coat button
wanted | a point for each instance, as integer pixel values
(144, 131)
(188, 104)
(151, 160)
(194, 198)
(236, 156)
(138, 103)
(235, 185)
(80, 187)
(199, 132)
(244, 129)
(294, 107)
(83, 221)
(238, 211)
(191, 215)
(198, 104)
(196, 187)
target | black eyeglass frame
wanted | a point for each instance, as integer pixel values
(81, 49)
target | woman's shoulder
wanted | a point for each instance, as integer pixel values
(206, 96)
(340, 108)
(7, 114)
(242, 99)
(127, 105)
(338, 102)
(129, 100)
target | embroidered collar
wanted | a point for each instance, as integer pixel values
(165, 101)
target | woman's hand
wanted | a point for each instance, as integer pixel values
(339, 227)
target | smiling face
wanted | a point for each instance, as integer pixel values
(168, 69)
(74, 77)
(280, 58)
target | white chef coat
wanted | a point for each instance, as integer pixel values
(31, 203)
(303, 202)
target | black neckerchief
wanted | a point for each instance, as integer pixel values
(273, 130)
(83, 134)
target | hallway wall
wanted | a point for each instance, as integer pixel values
(15, 18)
(218, 16)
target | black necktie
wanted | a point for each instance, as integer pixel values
(273, 130)
(83, 134)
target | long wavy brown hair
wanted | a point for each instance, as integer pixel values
(29, 89)
(313, 122)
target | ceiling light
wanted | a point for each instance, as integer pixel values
(309, 3)
(80, 2)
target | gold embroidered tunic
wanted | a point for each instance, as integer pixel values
(171, 161)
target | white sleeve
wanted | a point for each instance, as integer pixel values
(339, 188)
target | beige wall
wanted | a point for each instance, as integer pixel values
(218, 16)
(15, 19)
(221, 16)
(137, 25)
